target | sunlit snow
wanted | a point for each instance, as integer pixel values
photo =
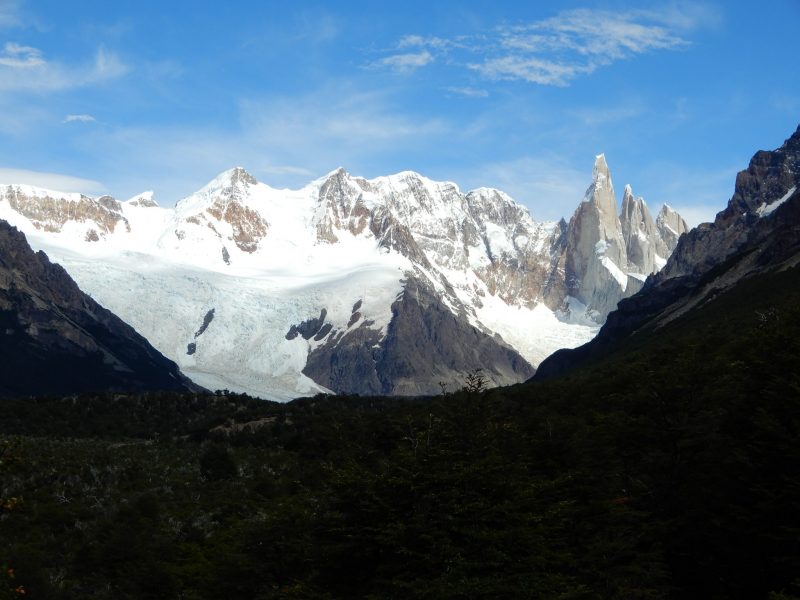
(168, 271)
(767, 209)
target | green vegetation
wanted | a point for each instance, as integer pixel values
(669, 470)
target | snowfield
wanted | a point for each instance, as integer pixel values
(168, 268)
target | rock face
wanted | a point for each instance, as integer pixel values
(222, 208)
(595, 250)
(425, 344)
(438, 227)
(759, 230)
(444, 282)
(51, 211)
(640, 234)
(606, 257)
(671, 227)
(54, 339)
(770, 181)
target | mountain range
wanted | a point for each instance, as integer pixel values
(658, 460)
(397, 285)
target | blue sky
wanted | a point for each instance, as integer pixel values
(119, 97)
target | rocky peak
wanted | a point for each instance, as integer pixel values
(232, 184)
(670, 227)
(758, 232)
(769, 176)
(491, 205)
(49, 211)
(627, 195)
(601, 191)
(110, 203)
(241, 178)
(770, 181)
(595, 255)
(639, 232)
(415, 199)
(340, 206)
(600, 170)
(143, 200)
(222, 206)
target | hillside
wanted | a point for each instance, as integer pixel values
(57, 340)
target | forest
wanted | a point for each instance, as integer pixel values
(667, 469)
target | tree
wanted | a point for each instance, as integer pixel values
(476, 382)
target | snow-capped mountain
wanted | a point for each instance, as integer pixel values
(389, 286)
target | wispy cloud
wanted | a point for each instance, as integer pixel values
(426, 50)
(438, 43)
(405, 62)
(24, 68)
(469, 92)
(531, 69)
(79, 119)
(53, 181)
(287, 170)
(557, 50)
(20, 57)
(346, 120)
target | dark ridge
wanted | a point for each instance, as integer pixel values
(54, 339)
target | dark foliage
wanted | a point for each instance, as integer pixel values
(669, 470)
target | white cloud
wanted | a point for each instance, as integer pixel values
(602, 35)
(20, 57)
(52, 181)
(23, 68)
(411, 41)
(530, 69)
(429, 48)
(79, 119)
(557, 50)
(577, 42)
(469, 92)
(405, 63)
